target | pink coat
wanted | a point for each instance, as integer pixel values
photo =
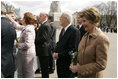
(27, 38)
(92, 54)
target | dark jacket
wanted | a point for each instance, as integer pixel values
(53, 37)
(42, 40)
(69, 41)
(8, 36)
(82, 31)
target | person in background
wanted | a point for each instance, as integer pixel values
(26, 44)
(52, 44)
(8, 35)
(93, 48)
(42, 43)
(80, 26)
(68, 40)
(38, 67)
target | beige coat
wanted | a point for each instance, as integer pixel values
(92, 54)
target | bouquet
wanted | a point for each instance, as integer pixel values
(73, 57)
(17, 40)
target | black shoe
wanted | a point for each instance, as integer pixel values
(37, 71)
(51, 71)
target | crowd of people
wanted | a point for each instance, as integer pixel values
(38, 39)
(108, 29)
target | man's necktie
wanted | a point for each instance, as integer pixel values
(63, 31)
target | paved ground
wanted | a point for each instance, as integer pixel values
(111, 70)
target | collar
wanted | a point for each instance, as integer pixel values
(80, 26)
(44, 21)
(94, 34)
(3, 16)
(67, 27)
(51, 22)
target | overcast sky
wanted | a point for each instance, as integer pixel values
(37, 6)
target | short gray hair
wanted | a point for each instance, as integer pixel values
(68, 16)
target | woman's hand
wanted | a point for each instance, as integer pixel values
(74, 68)
(17, 44)
(9, 18)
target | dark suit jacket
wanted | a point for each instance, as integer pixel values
(42, 40)
(8, 36)
(53, 37)
(68, 42)
(82, 31)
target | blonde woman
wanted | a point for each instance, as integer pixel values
(93, 48)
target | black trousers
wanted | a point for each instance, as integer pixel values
(10, 76)
(63, 70)
(44, 63)
(51, 62)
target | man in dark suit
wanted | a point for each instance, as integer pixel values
(80, 26)
(68, 40)
(8, 36)
(52, 44)
(42, 43)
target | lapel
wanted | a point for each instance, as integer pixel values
(66, 33)
(82, 27)
(41, 27)
(44, 23)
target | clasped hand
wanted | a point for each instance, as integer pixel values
(55, 55)
(74, 68)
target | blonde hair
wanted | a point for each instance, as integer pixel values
(92, 14)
